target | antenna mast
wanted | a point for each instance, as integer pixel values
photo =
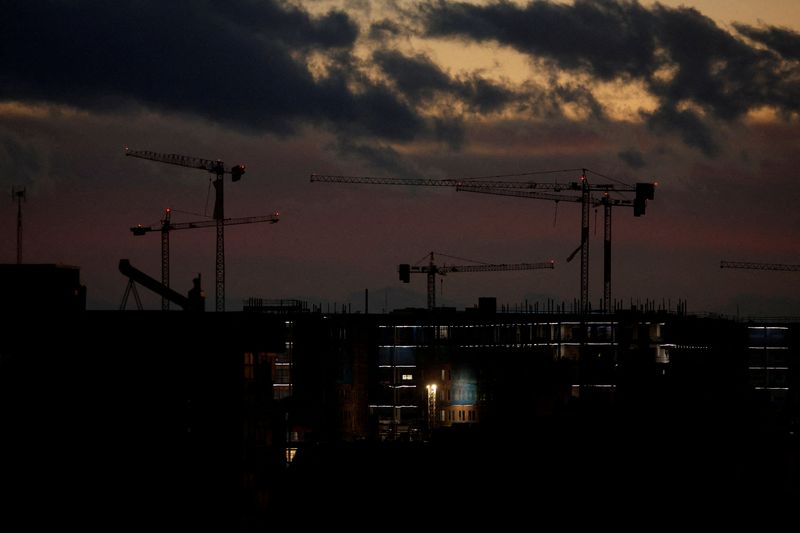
(19, 196)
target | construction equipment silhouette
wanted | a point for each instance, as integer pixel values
(644, 192)
(195, 301)
(216, 167)
(529, 189)
(167, 225)
(431, 269)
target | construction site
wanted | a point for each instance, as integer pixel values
(245, 419)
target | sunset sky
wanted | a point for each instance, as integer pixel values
(701, 96)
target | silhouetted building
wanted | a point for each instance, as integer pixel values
(225, 418)
(119, 420)
(42, 288)
(633, 402)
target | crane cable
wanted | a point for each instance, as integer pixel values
(189, 213)
(555, 214)
(428, 255)
(208, 195)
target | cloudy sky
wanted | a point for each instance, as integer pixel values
(701, 96)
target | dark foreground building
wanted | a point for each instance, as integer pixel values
(38, 287)
(135, 420)
(240, 421)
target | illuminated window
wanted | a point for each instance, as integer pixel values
(407, 377)
(290, 453)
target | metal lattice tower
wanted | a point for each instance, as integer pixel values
(19, 196)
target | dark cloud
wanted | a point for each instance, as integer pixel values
(288, 24)
(383, 29)
(449, 130)
(722, 74)
(238, 63)
(379, 110)
(580, 95)
(680, 55)
(186, 56)
(783, 41)
(484, 96)
(632, 157)
(418, 78)
(604, 37)
(245, 64)
(692, 129)
(380, 157)
(539, 102)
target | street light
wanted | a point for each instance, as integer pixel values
(431, 405)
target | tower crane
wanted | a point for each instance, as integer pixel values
(216, 167)
(758, 266)
(531, 189)
(431, 269)
(644, 191)
(167, 225)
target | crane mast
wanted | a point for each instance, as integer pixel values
(431, 270)
(584, 243)
(216, 167)
(165, 223)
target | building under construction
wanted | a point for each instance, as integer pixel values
(241, 417)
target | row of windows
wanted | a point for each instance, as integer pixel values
(496, 333)
(459, 415)
(767, 335)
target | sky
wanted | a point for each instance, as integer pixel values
(702, 97)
